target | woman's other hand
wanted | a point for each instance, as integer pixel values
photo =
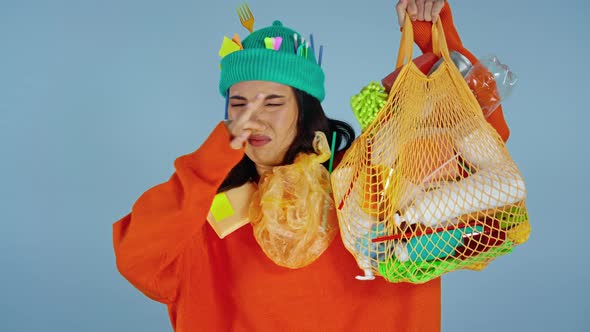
(421, 10)
(242, 126)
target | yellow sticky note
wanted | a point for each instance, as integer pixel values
(221, 207)
(228, 46)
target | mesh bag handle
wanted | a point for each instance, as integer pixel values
(439, 43)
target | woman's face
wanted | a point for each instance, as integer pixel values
(277, 115)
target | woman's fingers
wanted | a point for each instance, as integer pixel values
(401, 8)
(245, 123)
(421, 10)
(428, 10)
(247, 113)
(437, 6)
(412, 9)
(244, 133)
(238, 141)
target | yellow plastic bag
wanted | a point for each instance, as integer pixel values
(429, 186)
(293, 212)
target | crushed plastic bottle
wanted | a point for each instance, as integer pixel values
(491, 82)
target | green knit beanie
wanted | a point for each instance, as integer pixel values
(259, 62)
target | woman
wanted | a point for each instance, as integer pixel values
(167, 250)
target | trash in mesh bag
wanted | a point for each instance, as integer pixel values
(429, 187)
(292, 213)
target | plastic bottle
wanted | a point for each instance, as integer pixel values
(491, 82)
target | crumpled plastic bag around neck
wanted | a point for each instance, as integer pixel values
(292, 213)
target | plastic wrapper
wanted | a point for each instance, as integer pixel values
(292, 213)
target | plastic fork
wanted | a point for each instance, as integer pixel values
(246, 17)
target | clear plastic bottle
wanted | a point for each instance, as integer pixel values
(491, 82)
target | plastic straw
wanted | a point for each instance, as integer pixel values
(332, 152)
(410, 235)
(226, 105)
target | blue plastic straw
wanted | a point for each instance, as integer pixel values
(227, 105)
(321, 53)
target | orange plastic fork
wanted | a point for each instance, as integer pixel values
(246, 17)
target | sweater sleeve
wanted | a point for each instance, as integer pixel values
(423, 38)
(150, 241)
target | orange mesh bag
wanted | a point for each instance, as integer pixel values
(429, 187)
(292, 213)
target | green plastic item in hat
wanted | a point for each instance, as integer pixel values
(258, 63)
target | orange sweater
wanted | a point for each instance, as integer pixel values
(166, 249)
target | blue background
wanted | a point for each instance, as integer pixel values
(97, 98)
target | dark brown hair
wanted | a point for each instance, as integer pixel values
(311, 118)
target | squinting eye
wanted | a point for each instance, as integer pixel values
(238, 105)
(274, 105)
